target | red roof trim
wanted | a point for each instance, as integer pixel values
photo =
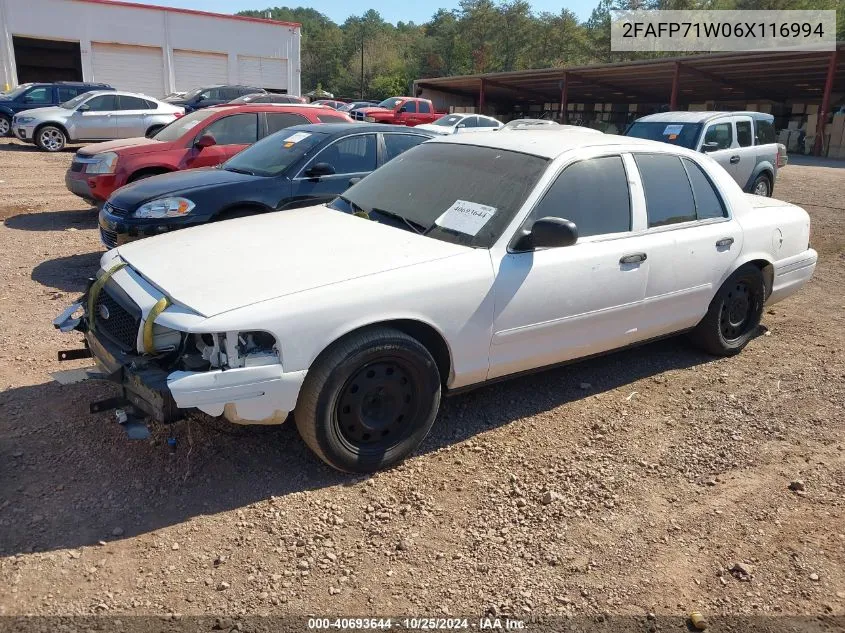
(243, 18)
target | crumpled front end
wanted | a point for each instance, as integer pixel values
(164, 361)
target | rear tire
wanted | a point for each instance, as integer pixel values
(5, 126)
(50, 138)
(762, 186)
(734, 314)
(369, 400)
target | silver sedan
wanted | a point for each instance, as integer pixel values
(94, 116)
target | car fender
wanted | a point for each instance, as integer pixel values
(7, 111)
(763, 166)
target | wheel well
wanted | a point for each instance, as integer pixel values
(150, 129)
(148, 171)
(768, 271)
(425, 334)
(58, 125)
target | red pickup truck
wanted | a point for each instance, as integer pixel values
(408, 111)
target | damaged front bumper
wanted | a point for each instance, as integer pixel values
(155, 386)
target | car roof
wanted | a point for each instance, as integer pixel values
(698, 117)
(125, 93)
(340, 129)
(549, 142)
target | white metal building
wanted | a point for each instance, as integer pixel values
(144, 48)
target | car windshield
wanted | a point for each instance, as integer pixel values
(390, 103)
(16, 92)
(275, 154)
(683, 134)
(181, 126)
(449, 121)
(193, 93)
(479, 189)
(72, 103)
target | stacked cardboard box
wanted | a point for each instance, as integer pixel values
(836, 144)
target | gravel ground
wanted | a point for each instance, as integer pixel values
(650, 481)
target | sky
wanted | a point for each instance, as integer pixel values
(338, 10)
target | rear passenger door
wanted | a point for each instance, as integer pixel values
(231, 133)
(131, 116)
(690, 238)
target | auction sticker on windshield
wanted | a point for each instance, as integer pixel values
(299, 136)
(466, 217)
(673, 130)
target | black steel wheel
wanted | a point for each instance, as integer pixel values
(734, 314)
(369, 400)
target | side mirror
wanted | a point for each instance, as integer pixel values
(402, 109)
(354, 181)
(83, 108)
(549, 233)
(320, 169)
(712, 146)
(206, 140)
(461, 125)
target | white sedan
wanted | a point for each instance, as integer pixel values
(462, 123)
(534, 249)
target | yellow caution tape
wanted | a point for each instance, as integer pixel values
(94, 292)
(158, 308)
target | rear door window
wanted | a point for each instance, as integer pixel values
(424, 107)
(708, 202)
(133, 103)
(743, 132)
(280, 120)
(593, 194)
(668, 193)
(238, 129)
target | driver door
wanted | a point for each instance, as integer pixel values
(721, 132)
(557, 304)
(97, 121)
(231, 134)
(350, 157)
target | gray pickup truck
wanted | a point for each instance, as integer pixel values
(742, 142)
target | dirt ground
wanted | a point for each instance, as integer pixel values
(663, 468)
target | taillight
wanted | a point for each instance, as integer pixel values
(782, 157)
(179, 114)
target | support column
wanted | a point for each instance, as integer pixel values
(564, 98)
(169, 72)
(9, 77)
(823, 111)
(673, 100)
(481, 88)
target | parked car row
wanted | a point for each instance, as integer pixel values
(461, 259)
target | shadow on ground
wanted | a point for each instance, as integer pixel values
(70, 478)
(19, 146)
(51, 220)
(69, 274)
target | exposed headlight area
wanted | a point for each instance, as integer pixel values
(104, 163)
(225, 350)
(23, 120)
(172, 207)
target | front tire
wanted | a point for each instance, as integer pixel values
(734, 314)
(369, 400)
(5, 126)
(50, 138)
(762, 186)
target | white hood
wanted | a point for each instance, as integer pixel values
(227, 265)
(437, 129)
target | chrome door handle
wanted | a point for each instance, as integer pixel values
(634, 258)
(725, 241)
(734, 160)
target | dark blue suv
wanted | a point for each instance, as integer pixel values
(40, 95)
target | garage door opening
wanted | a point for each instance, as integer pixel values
(46, 60)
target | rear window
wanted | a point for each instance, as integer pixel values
(764, 132)
(682, 134)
